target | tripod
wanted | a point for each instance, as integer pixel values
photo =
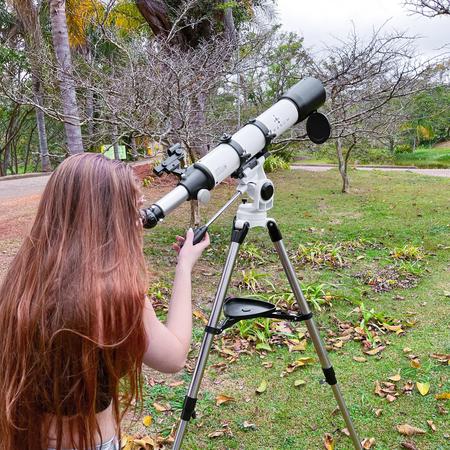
(255, 183)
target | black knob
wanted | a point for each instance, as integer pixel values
(267, 191)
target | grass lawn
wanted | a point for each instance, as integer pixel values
(423, 157)
(375, 267)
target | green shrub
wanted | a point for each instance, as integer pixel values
(403, 148)
(274, 163)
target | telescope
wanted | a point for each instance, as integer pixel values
(236, 153)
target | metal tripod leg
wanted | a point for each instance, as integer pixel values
(211, 329)
(327, 368)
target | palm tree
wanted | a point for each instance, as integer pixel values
(65, 75)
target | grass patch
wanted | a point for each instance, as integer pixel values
(422, 157)
(434, 157)
(398, 221)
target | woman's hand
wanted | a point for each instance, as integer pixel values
(188, 253)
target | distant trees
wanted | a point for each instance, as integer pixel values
(148, 73)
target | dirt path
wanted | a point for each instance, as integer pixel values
(16, 215)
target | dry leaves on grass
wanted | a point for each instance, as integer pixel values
(153, 442)
(442, 358)
(301, 362)
(224, 431)
(368, 443)
(328, 441)
(409, 430)
(388, 278)
(221, 399)
(443, 396)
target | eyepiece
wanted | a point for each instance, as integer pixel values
(151, 216)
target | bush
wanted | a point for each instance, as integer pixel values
(274, 163)
(403, 148)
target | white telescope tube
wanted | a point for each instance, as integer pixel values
(294, 106)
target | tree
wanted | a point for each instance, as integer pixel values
(362, 79)
(28, 14)
(65, 76)
(429, 8)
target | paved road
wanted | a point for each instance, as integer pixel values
(431, 172)
(22, 187)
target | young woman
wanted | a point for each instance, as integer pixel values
(75, 325)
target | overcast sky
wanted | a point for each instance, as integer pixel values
(319, 20)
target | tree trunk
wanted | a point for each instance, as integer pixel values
(133, 146)
(65, 76)
(391, 144)
(195, 214)
(28, 14)
(40, 122)
(116, 142)
(342, 166)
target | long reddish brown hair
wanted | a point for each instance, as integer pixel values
(71, 307)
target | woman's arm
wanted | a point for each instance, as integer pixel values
(168, 344)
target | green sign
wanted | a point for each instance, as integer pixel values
(108, 151)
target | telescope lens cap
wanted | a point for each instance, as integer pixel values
(318, 128)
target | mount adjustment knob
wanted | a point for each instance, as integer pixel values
(267, 191)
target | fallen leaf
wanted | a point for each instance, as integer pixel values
(247, 425)
(415, 363)
(408, 387)
(328, 441)
(220, 399)
(360, 359)
(161, 408)
(176, 383)
(423, 388)
(297, 346)
(299, 383)
(441, 357)
(299, 363)
(443, 396)
(267, 364)
(396, 328)
(147, 421)
(375, 351)
(262, 387)
(390, 398)
(409, 430)
(368, 443)
(407, 350)
(215, 434)
(395, 377)
(431, 425)
(378, 412)
(345, 431)
(199, 315)
(144, 442)
(409, 445)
